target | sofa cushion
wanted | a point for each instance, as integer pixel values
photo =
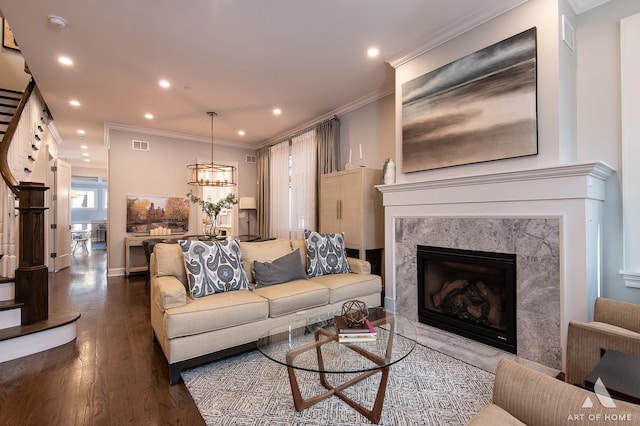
(170, 262)
(349, 286)
(283, 269)
(215, 312)
(262, 251)
(325, 254)
(213, 266)
(293, 296)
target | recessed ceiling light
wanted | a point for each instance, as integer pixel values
(74, 102)
(148, 116)
(65, 61)
(373, 52)
(86, 160)
(81, 132)
(164, 83)
(83, 146)
(277, 111)
(84, 154)
(241, 132)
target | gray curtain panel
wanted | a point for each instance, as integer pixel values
(262, 171)
(328, 141)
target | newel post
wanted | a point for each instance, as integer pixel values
(31, 283)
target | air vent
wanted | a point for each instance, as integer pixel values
(250, 158)
(139, 145)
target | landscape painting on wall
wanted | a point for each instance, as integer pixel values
(147, 213)
(479, 108)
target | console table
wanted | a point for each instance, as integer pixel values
(134, 258)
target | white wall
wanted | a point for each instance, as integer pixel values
(373, 126)
(12, 75)
(542, 14)
(161, 171)
(598, 124)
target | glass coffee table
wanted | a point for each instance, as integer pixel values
(311, 344)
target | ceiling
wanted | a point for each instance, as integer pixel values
(240, 59)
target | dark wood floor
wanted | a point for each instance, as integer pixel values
(112, 374)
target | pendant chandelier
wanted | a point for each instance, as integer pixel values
(211, 174)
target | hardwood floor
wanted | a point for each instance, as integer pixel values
(112, 374)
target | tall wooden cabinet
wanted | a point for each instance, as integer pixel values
(348, 204)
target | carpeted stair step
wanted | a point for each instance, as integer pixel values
(9, 101)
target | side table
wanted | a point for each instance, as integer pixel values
(620, 374)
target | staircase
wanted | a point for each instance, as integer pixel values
(26, 327)
(9, 100)
(10, 314)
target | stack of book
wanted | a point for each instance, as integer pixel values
(354, 333)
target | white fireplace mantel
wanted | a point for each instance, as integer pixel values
(572, 194)
(569, 181)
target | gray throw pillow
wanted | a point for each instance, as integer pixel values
(283, 269)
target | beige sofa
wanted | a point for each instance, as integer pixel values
(525, 396)
(195, 331)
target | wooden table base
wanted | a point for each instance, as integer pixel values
(301, 403)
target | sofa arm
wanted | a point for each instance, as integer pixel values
(167, 292)
(537, 399)
(616, 312)
(359, 266)
(584, 341)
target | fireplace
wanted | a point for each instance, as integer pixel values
(470, 293)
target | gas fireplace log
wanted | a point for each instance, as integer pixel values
(494, 303)
(447, 288)
(473, 309)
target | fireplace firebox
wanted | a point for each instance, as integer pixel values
(470, 293)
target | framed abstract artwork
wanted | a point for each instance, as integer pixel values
(482, 107)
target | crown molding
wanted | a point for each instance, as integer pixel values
(581, 6)
(174, 135)
(54, 132)
(458, 27)
(343, 110)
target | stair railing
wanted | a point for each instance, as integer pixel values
(5, 170)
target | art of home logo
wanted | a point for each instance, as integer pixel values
(606, 401)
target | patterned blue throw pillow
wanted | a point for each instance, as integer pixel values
(325, 254)
(213, 267)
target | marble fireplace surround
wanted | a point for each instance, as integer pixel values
(550, 218)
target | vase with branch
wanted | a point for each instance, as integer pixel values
(212, 210)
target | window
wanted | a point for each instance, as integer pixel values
(83, 199)
(293, 186)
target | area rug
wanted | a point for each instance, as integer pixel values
(426, 388)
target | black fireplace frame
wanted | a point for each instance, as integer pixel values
(506, 262)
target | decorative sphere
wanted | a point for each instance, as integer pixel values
(355, 312)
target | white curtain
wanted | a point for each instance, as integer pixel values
(279, 189)
(303, 183)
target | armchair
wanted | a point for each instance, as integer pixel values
(615, 325)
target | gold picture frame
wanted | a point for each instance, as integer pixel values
(8, 40)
